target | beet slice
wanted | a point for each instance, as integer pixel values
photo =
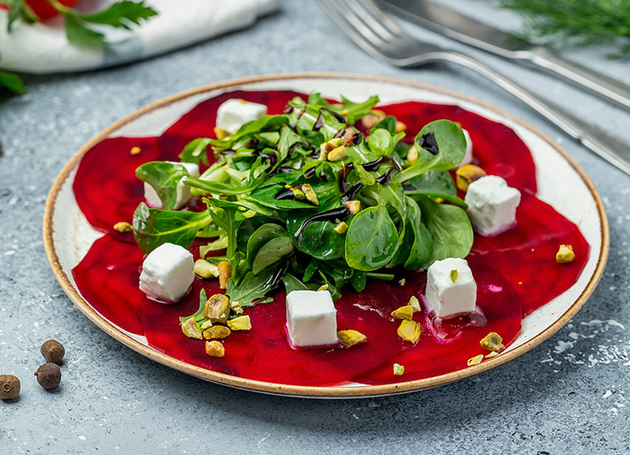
(526, 253)
(264, 354)
(446, 346)
(108, 278)
(106, 188)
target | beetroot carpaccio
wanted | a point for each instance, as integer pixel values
(516, 271)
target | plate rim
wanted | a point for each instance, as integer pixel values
(311, 391)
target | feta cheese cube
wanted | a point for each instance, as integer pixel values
(492, 204)
(183, 191)
(311, 318)
(451, 288)
(167, 273)
(234, 113)
(468, 157)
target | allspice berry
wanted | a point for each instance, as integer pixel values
(53, 351)
(49, 375)
(9, 387)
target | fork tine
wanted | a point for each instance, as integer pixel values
(376, 19)
(349, 28)
(360, 10)
(348, 14)
(383, 18)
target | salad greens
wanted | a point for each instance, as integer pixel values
(305, 199)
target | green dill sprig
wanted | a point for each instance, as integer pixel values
(581, 22)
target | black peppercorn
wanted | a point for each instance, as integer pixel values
(9, 387)
(53, 351)
(48, 375)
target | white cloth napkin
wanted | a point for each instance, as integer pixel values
(43, 48)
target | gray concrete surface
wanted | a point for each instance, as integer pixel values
(569, 395)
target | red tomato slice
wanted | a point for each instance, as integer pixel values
(43, 9)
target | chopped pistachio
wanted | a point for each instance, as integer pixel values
(221, 133)
(348, 136)
(206, 269)
(310, 194)
(215, 348)
(400, 126)
(323, 287)
(123, 226)
(409, 331)
(399, 370)
(350, 337)
(335, 142)
(298, 193)
(492, 354)
(217, 332)
(206, 325)
(370, 120)
(217, 309)
(467, 174)
(225, 272)
(191, 329)
(353, 206)
(327, 147)
(453, 275)
(341, 228)
(414, 303)
(412, 154)
(337, 154)
(565, 254)
(404, 312)
(236, 308)
(240, 323)
(492, 342)
(135, 150)
(476, 360)
(323, 151)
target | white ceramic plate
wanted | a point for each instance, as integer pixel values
(561, 183)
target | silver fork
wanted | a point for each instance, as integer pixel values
(379, 36)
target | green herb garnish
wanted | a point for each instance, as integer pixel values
(587, 23)
(368, 216)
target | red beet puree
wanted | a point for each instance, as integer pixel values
(515, 271)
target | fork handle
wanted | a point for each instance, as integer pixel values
(609, 147)
(597, 83)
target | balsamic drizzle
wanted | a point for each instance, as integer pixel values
(428, 143)
(310, 172)
(319, 123)
(284, 194)
(341, 214)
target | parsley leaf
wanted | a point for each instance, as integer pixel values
(123, 14)
(80, 34)
(11, 83)
(120, 15)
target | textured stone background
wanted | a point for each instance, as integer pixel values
(568, 395)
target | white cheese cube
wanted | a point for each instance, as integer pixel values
(492, 204)
(311, 319)
(451, 288)
(167, 273)
(234, 113)
(184, 192)
(468, 157)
